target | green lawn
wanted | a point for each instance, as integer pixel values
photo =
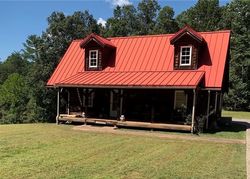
(51, 151)
(236, 114)
(234, 131)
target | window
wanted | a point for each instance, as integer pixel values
(90, 100)
(93, 58)
(185, 57)
(180, 99)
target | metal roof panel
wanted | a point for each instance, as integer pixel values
(145, 54)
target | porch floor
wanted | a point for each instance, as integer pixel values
(179, 127)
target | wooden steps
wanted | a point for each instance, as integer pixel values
(178, 127)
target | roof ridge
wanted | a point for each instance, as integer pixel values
(217, 31)
(140, 36)
(158, 35)
(139, 71)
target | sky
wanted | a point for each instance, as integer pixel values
(21, 18)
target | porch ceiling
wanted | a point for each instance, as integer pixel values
(141, 79)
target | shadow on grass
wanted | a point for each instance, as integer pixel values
(233, 127)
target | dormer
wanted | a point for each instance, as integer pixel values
(98, 52)
(187, 45)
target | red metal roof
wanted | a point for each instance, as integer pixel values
(185, 30)
(142, 56)
(177, 79)
(102, 41)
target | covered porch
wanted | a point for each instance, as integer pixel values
(155, 108)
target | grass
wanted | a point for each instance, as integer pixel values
(236, 114)
(50, 151)
(234, 131)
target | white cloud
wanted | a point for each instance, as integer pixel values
(119, 2)
(101, 21)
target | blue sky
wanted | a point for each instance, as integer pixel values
(19, 19)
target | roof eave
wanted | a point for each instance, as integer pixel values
(126, 86)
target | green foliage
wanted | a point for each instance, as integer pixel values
(13, 99)
(36, 62)
(203, 16)
(165, 22)
(46, 51)
(147, 14)
(200, 124)
(236, 17)
(15, 63)
(124, 23)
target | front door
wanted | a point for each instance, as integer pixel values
(114, 103)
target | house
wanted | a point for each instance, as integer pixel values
(157, 81)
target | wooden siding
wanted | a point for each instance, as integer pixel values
(93, 46)
(106, 56)
(186, 41)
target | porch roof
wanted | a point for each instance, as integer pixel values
(146, 79)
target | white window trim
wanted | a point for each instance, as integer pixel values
(190, 57)
(93, 66)
(175, 94)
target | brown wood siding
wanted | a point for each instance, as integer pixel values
(186, 41)
(106, 56)
(93, 46)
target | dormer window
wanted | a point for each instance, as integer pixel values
(185, 55)
(93, 58)
(187, 45)
(99, 52)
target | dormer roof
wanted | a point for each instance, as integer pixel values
(98, 39)
(187, 30)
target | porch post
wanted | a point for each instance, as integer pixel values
(220, 103)
(216, 102)
(68, 101)
(86, 96)
(58, 106)
(193, 111)
(79, 98)
(208, 104)
(121, 101)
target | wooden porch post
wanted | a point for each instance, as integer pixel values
(86, 96)
(68, 102)
(193, 111)
(121, 101)
(216, 102)
(58, 106)
(220, 103)
(80, 99)
(208, 104)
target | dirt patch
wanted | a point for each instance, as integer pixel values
(112, 130)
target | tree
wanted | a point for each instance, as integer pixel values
(13, 99)
(33, 47)
(123, 23)
(236, 17)
(14, 63)
(147, 13)
(165, 22)
(45, 52)
(203, 16)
